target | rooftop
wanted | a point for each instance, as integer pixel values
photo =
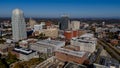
(87, 35)
(23, 51)
(51, 42)
(86, 38)
(71, 52)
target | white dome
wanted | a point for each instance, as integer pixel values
(17, 11)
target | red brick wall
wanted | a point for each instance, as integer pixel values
(69, 58)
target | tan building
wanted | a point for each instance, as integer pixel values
(75, 25)
(24, 54)
(32, 23)
(51, 32)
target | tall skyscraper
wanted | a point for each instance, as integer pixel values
(18, 25)
(64, 22)
(1, 27)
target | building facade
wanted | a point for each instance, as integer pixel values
(24, 54)
(75, 25)
(86, 42)
(64, 23)
(18, 25)
(71, 55)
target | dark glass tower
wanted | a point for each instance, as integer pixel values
(64, 22)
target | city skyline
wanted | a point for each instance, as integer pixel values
(56, 8)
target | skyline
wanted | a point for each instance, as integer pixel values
(56, 8)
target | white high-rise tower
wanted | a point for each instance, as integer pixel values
(18, 25)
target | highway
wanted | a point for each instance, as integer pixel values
(110, 50)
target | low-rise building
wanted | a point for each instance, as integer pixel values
(51, 32)
(86, 42)
(5, 48)
(47, 46)
(24, 54)
(67, 55)
(38, 27)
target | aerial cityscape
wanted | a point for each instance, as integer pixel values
(59, 34)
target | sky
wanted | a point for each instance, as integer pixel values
(56, 8)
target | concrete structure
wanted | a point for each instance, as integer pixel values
(18, 25)
(47, 47)
(44, 45)
(42, 48)
(38, 27)
(51, 32)
(87, 42)
(24, 54)
(71, 56)
(75, 25)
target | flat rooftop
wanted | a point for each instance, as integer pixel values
(71, 52)
(23, 51)
(41, 45)
(86, 38)
(51, 42)
(87, 35)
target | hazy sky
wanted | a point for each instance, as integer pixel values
(56, 8)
